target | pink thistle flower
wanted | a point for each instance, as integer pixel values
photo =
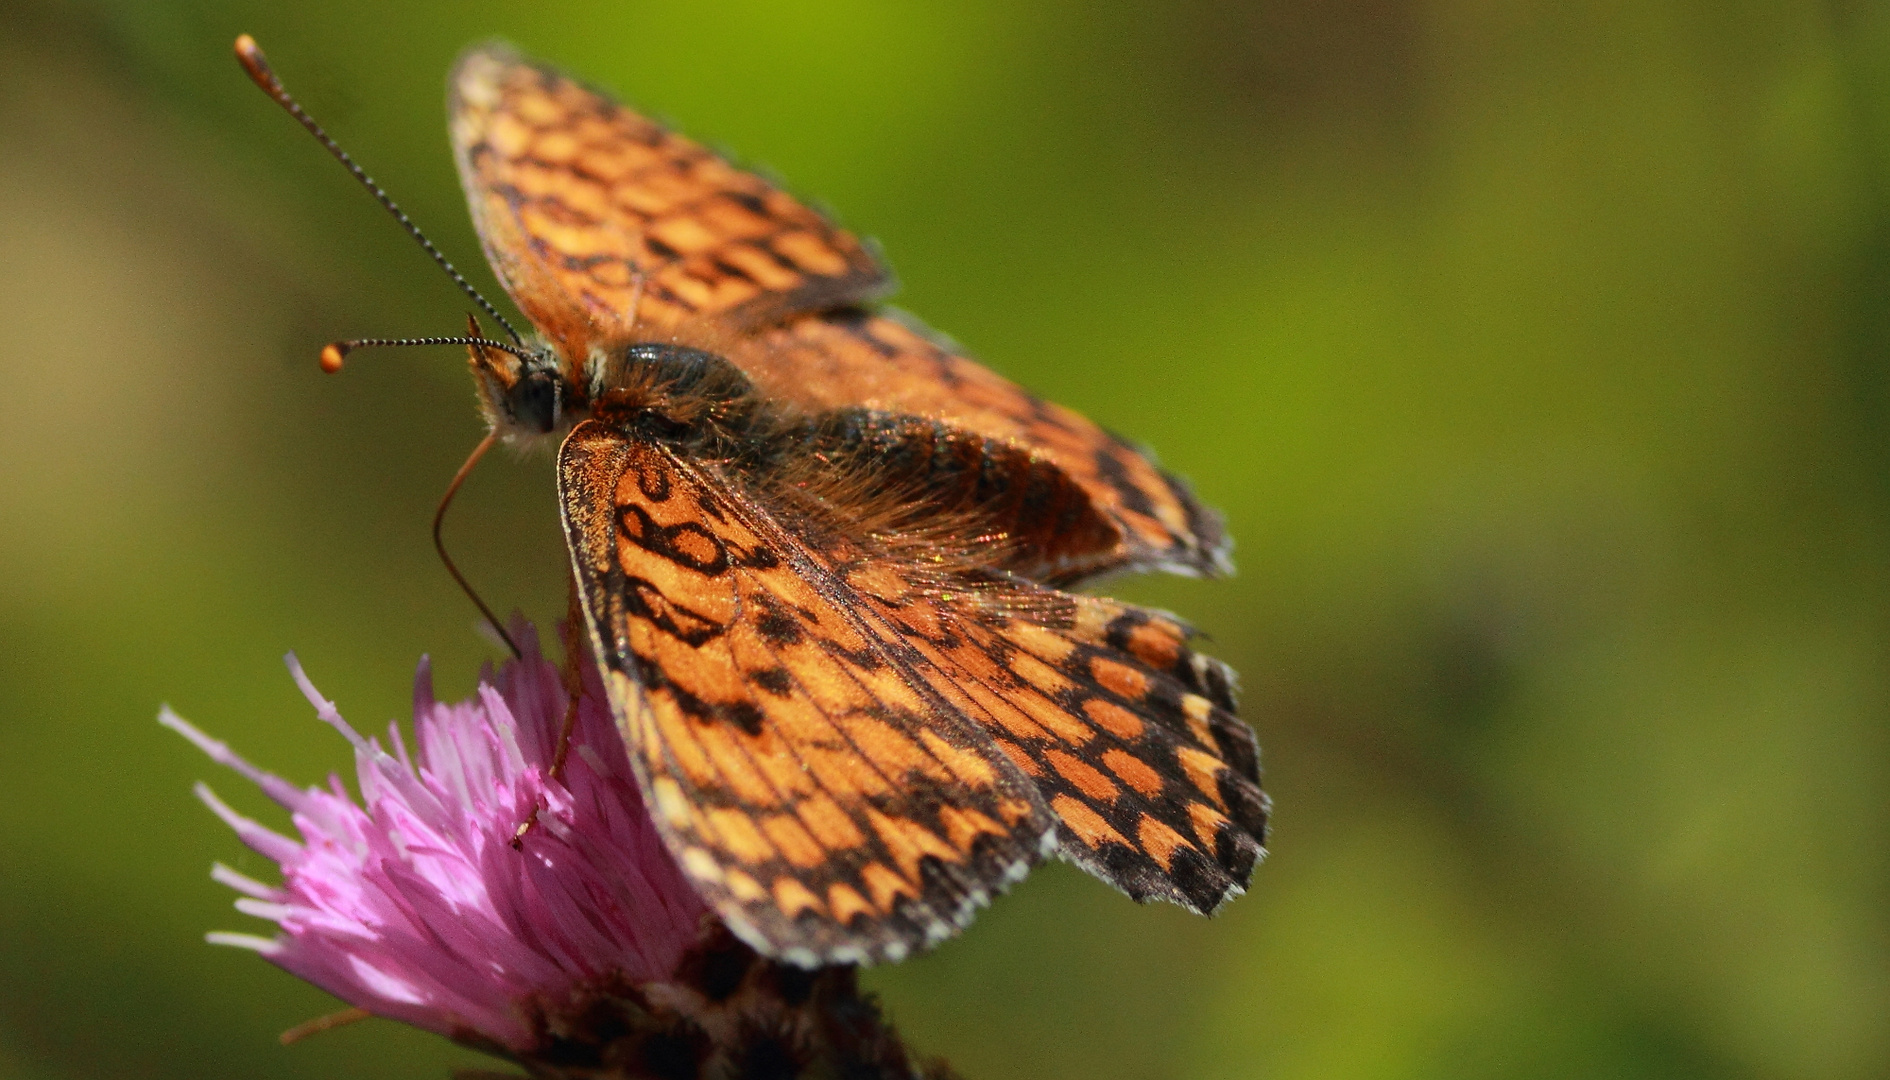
(414, 905)
(582, 951)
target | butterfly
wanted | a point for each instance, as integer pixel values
(825, 563)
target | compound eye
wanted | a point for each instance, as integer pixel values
(533, 402)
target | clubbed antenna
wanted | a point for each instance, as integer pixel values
(335, 351)
(250, 55)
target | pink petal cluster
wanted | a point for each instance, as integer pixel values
(413, 904)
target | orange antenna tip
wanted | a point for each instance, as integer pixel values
(332, 355)
(250, 55)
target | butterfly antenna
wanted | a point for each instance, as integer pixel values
(335, 352)
(250, 55)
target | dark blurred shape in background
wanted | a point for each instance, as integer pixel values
(1538, 353)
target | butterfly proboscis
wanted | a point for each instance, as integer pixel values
(250, 55)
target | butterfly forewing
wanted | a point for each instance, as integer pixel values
(601, 223)
(830, 805)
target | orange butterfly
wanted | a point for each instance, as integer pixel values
(821, 558)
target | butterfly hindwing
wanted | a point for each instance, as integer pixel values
(1154, 778)
(830, 806)
(925, 484)
(1129, 735)
(834, 359)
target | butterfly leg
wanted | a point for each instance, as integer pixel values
(575, 649)
(576, 652)
(323, 1023)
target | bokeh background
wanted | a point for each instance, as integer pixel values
(1538, 353)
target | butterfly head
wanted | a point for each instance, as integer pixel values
(526, 394)
(529, 394)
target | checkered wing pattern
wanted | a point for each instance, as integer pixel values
(849, 749)
(831, 805)
(846, 357)
(602, 223)
(1129, 735)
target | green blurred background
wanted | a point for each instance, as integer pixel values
(1538, 353)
